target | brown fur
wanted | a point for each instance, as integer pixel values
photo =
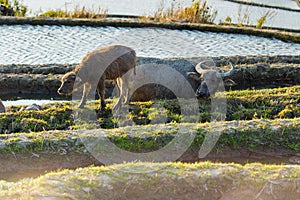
(108, 63)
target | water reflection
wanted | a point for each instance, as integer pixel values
(60, 44)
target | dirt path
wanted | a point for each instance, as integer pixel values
(16, 166)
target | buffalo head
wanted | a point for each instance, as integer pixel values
(211, 80)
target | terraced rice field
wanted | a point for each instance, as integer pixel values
(260, 135)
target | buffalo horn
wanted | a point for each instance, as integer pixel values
(199, 68)
(226, 74)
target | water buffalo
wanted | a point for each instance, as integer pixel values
(108, 63)
(211, 80)
(2, 107)
(6, 11)
(154, 81)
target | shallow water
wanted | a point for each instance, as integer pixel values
(282, 18)
(21, 102)
(25, 44)
(280, 3)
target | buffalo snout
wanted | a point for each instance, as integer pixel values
(202, 91)
(67, 84)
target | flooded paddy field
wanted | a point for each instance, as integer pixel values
(246, 147)
(25, 44)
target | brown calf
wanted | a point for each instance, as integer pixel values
(108, 63)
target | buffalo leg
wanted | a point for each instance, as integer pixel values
(101, 93)
(116, 82)
(86, 91)
(120, 85)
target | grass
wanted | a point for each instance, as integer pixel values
(173, 180)
(265, 103)
(198, 12)
(266, 16)
(247, 135)
(241, 105)
(52, 116)
(244, 15)
(48, 131)
(77, 12)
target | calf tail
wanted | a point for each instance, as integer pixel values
(135, 60)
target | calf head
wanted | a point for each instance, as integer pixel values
(68, 85)
(211, 80)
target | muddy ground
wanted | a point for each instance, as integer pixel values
(16, 166)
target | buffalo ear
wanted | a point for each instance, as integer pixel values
(194, 75)
(229, 82)
(78, 80)
(72, 76)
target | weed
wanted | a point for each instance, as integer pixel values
(78, 12)
(268, 15)
(198, 12)
(228, 20)
(243, 16)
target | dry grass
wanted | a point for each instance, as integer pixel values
(77, 12)
(245, 15)
(198, 12)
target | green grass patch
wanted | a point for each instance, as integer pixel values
(160, 180)
(263, 104)
(276, 103)
(248, 135)
(50, 117)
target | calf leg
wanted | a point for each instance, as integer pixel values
(126, 97)
(86, 91)
(124, 87)
(101, 93)
(116, 82)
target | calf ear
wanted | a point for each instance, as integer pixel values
(229, 82)
(194, 75)
(72, 76)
